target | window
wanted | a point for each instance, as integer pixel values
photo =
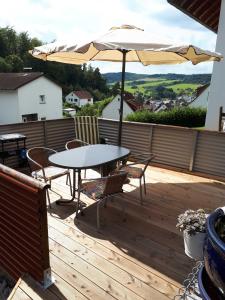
(43, 118)
(89, 100)
(29, 118)
(75, 100)
(42, 99)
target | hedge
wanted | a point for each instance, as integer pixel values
(185, 116)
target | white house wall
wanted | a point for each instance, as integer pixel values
(201, 100)
(29, 99)
(72, 98)
(85, 101)
(8, 107)
(217, 90)
(111, 111)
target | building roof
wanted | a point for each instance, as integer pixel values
(134, 105)
(13, 81)
(201, 89)
(83, 94)
(206, 12)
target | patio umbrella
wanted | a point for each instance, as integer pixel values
(126, 44)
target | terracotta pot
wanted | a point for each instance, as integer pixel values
(193, 244)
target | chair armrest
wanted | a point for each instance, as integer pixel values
(34, 162)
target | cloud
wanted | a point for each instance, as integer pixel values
(83, 20)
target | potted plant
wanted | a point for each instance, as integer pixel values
(193, 225)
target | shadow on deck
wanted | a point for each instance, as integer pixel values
(141, 258)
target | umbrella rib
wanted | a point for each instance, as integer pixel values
(139, 57)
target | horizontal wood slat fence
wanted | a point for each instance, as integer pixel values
(23, 225)
(190, 149)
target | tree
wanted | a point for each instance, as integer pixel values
(15, 62)
(4, 66)
(14, 56)
(115, 90)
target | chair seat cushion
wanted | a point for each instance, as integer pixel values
(94, 189)
(132, 172)
(51, 172)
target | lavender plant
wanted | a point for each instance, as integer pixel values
(192, 221)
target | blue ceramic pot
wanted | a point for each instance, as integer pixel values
(206, 288)
(214, 253)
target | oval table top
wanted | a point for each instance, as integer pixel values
(87, 157)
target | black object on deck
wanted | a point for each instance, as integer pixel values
(19, 148)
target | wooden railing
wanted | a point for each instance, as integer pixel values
(189, 149)
(23, 226)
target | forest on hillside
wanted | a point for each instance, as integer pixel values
(14, 57)
(184, 78)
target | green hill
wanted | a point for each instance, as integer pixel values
(190, 78)
(148, 84)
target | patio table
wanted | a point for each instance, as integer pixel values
(86, 157)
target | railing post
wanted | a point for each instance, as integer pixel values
(45, 134)
(193, 150)
(150, 138)
(220, 119)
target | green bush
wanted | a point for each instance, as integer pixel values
(95, 109)
(185, 116)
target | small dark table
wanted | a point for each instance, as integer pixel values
(86, 157)
(12, 138)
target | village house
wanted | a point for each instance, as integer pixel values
(79, 98)
(130, 105)
(202, 96)
(28, 97)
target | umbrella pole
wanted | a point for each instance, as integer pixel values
(124, 52)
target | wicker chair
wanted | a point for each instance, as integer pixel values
(138, 172)
(101, 189)
(41, 168)
(75, 144)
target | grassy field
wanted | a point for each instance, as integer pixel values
(146, 86)
(183, 86)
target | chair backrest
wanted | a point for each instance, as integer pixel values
(145, 159)
(38, 157)
(86, 129)
(74, 144)
(114, 183)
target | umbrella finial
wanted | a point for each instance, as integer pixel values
(126, 27)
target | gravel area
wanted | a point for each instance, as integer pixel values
(5, 288)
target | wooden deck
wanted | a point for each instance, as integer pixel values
(142, 258)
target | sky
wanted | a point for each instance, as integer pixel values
(73, 20)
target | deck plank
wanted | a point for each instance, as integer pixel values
(124, 285)
(20, 295)
(118, 258)
(142, 258)
(69, 274)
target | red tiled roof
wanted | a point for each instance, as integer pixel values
(12, 81)
(128, 96)
(201, 89)
(134, 105)
(83, 94)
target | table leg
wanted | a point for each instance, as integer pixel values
(61, 202)
(79, 206)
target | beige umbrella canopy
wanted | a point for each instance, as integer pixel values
(125, 44)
